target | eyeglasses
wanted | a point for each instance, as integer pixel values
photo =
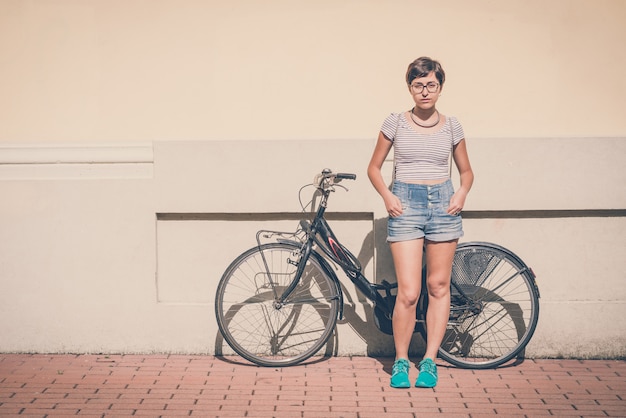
(432, 87)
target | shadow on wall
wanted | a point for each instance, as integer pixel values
(377, 342)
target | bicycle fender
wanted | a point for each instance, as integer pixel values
(328, 270)
(510, 253)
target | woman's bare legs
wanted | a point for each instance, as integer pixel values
(407, 258)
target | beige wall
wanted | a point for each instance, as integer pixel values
(112, 112)
(120, 70)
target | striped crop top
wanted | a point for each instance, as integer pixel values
(420, 156)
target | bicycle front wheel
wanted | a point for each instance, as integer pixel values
(260, 327)
(494, 307)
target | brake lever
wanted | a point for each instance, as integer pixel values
(340, 185)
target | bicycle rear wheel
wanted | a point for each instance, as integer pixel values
(494, 307)
(260, 328)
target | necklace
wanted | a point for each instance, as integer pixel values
(424, 126)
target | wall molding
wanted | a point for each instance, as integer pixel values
(545, 214)
(65, 153)
(261, 216)
(46, 161)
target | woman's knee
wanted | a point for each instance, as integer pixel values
(407, 299)
(438, 288)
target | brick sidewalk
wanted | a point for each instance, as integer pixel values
(181, 386)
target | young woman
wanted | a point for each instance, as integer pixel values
(423, 212)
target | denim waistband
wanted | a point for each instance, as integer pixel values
(412, 186)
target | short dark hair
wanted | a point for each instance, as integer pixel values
(423, 66)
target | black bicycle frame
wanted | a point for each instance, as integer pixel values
(319, 232)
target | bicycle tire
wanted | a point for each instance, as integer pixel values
(496, 321)
(259, 328)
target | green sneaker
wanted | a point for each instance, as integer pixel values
(400, 374)
(428, 374)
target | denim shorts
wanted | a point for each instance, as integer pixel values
(424, 213)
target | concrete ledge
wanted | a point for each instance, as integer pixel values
(548, 174)
(75, 161)
(78, 153)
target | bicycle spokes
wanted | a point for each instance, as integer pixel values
(494, 307)
(264, 323)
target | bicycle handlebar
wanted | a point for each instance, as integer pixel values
(346, 176)
(327, 174)
(325, 179)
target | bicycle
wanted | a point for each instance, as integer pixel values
(278, 303)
